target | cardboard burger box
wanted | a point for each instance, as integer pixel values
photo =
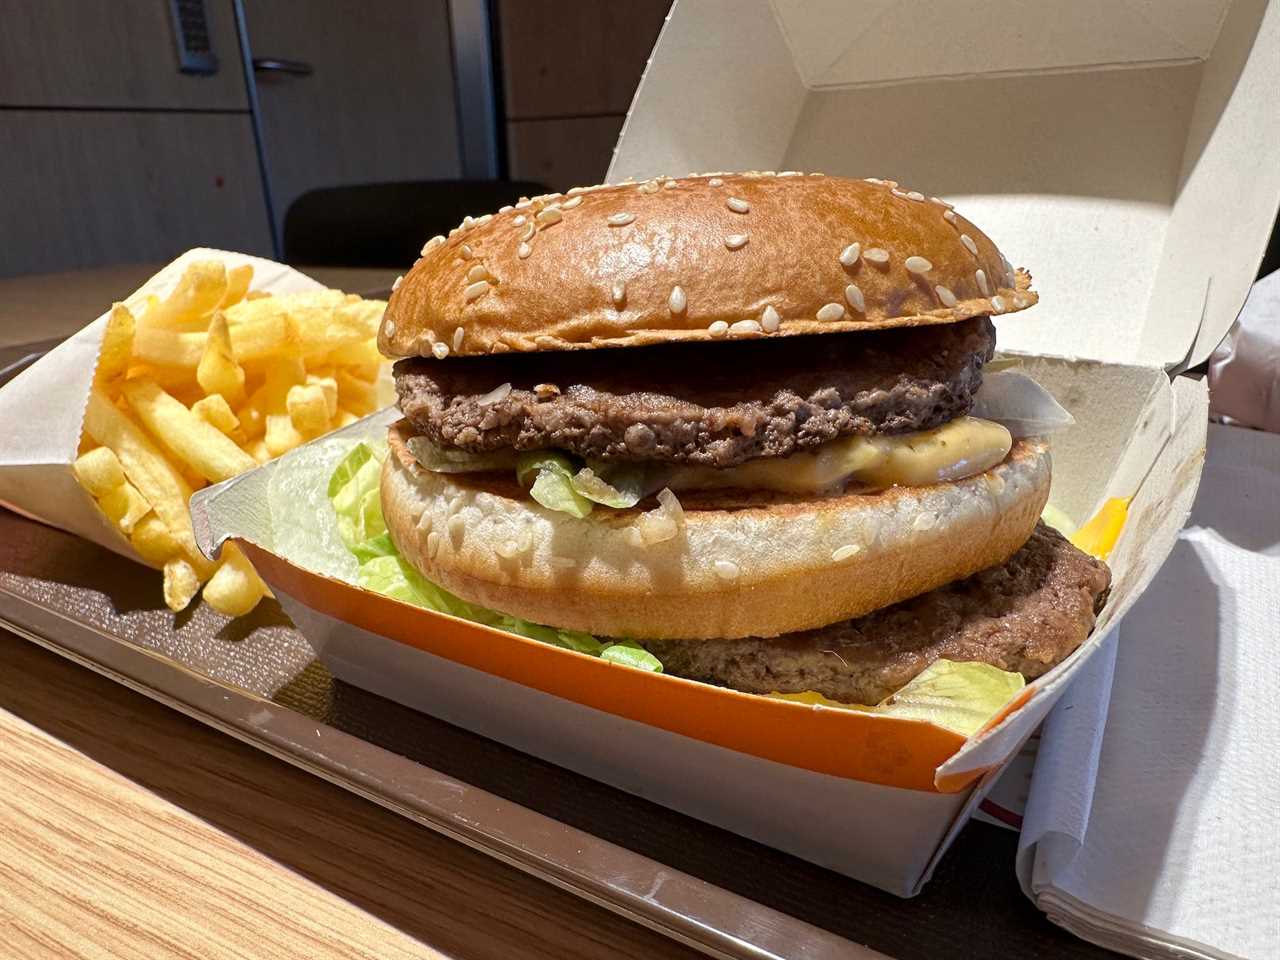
(1123, 164)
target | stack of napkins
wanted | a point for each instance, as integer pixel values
(1153, 822)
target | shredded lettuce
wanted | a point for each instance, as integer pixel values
(353, 492)
(957, 696)
(552, 487)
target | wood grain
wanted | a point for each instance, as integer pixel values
(562, 153)
(565, 58)
(85, 189)
(69, 53)
(129, 830)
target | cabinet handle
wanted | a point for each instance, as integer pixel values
(294, 68)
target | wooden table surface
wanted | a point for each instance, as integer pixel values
(130, 830)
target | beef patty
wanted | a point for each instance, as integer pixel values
(707, 404)
(1025, 616)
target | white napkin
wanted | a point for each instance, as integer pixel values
(1153, 825)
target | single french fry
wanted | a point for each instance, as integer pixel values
(238, 280)
(308, 409)
(158, 480)
(153, 541)
(235, 587)
(99, 471)
(281, 435)
(181, 583)
(125, 506)
(362, 354)
(197, 294)
(218, 372)
(328, 386)
(215, 411)
(358, 396)
(117, 345)
(200, 445)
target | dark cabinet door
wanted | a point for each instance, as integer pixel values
(353, 92)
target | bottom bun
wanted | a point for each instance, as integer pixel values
(744, 564)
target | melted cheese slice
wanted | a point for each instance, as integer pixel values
(953, 451)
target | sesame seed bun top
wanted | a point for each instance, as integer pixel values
(704, 257)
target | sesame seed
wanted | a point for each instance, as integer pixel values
(669, 185)
(873, 180)
(985, 287)
(736, 241)
(574, 191)
(431, 244)
(649, 186)
(479, 220)
(845, 552)
(440, 350)
(520, 221)
(969, 244)
(433, 544)
(507, 209)
(464, 252)
(715, 182)
(726, 570)
(456, 527)
(571, 203)
(737, 205)
(997, 304)
(620, 219)
(946, 296)
(396, 284)
(831, 311)
(467, 221)
(529, 231)
(915, 195)
(524, 204)
(718, 329)
(898, 193)
(744, 327)
(677, 301)
(619, 294)
(475, 290)
(523, 251)
(548, 216)
(942, 203)
(949, 216)
(390, 327)
(925, 521)
(478, 272)
(876, 255)
(457, 339)
(917, 265)
(853, 294)
(851, 254)
(769, 319)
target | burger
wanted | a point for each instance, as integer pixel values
(730, 419)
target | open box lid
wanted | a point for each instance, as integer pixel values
(1122, 150)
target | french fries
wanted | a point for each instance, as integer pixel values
(203, 385)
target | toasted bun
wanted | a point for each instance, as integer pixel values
(643, 263)
(759, 566)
